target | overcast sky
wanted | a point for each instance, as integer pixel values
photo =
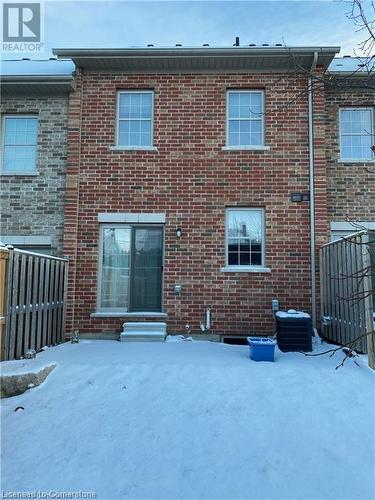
(125, 23)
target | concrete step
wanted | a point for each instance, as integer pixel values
(147, 331)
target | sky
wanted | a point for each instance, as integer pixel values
(84, 24)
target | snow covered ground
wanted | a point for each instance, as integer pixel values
(192, 420)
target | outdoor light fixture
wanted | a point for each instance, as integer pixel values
(296, 197)
(178, 232)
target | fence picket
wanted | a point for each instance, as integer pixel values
(45, 303)
(28, 307)
(343, 294)
(34, 314)
(34, 302)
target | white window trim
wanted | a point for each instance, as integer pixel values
(261, 147)
(343, 229)
(131, 218)
(120, 147)
(245, 148)
(246, 268)
(99, 308)
(347, 226)
(356, 108)
(18, 172)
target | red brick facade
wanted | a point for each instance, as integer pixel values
(192, 180)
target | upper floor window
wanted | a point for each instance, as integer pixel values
(356, 134)
(19, 144)
(135, 118)
(245, 237)
(245, 118)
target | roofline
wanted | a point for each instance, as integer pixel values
(189, 51)
(50, 79)
(351, 74)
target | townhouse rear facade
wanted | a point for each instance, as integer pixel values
(208, 178)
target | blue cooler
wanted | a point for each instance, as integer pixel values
(261, 348)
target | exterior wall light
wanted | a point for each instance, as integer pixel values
(178, 232)
(296, 197)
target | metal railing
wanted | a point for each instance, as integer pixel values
(33, 290)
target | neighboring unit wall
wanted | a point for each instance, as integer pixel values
(350, 186)
(192, 180)
(33, 205)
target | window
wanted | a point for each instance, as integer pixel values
(245, 118)
(19, 144)
(131, 265)
(135, 119)
(356, 134)
(245, 237)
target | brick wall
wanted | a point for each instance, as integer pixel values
(34, 204)
(193, 180)
(350, 186)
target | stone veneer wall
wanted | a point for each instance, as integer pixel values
(350, 186)
(33, 205)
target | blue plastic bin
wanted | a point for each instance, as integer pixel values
(261, 348)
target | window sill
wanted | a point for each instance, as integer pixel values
(22, 174)
(146, 314)
(356, 161)
(246, 148)
(245, 269)
(133, 148)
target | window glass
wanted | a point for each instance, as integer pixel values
(245, 238)
(245, 118)
(19, 143)
(356, 133)
(115, 267)
(131, 268)
(135, 118)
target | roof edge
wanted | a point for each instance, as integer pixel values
(189, 51)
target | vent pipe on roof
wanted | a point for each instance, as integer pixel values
(237, 42)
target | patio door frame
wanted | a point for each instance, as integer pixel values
(134, 228)
(117, 310)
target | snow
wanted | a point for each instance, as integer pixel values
(292, 313)
(192, 420)
(50, 67)
(22, 366)
(261, 341)
(350, 65)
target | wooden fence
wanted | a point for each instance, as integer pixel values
(33, 291)
(347, 282)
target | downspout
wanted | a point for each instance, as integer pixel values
(312, 190)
